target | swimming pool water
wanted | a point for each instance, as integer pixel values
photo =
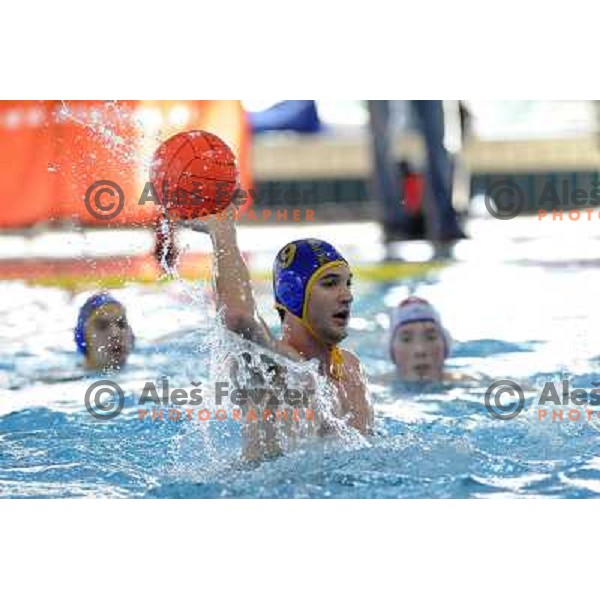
(514, 314)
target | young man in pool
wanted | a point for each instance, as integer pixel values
(102, 334)
(419, 344)
(312, 287)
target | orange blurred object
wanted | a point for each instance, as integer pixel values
(52, 152)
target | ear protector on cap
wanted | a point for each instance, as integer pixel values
(290, 286)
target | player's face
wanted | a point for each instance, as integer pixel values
(329, 304)
(418, 351)
(108, 338)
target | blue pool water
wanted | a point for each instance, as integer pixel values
(524, 310)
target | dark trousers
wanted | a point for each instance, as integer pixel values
(440, 217)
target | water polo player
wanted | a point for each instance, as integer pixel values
(419, 344)
(312, 288)
(103, 334)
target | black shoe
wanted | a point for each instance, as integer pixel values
(454, 235)
(413, 228)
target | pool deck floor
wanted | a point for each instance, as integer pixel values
(111, 257)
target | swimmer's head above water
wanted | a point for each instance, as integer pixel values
(419, 344)
(102, 334)
(311, 283)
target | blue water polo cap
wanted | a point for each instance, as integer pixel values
(297, 266)
(92, 304)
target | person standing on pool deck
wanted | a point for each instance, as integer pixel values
(312, 287)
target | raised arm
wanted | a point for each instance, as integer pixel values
(234, 288)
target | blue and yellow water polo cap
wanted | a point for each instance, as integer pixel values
(297, 267)
(89, 308)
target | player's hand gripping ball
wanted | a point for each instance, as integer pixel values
(194, 174)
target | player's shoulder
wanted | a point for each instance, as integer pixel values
(351, 359)
(288, 351)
